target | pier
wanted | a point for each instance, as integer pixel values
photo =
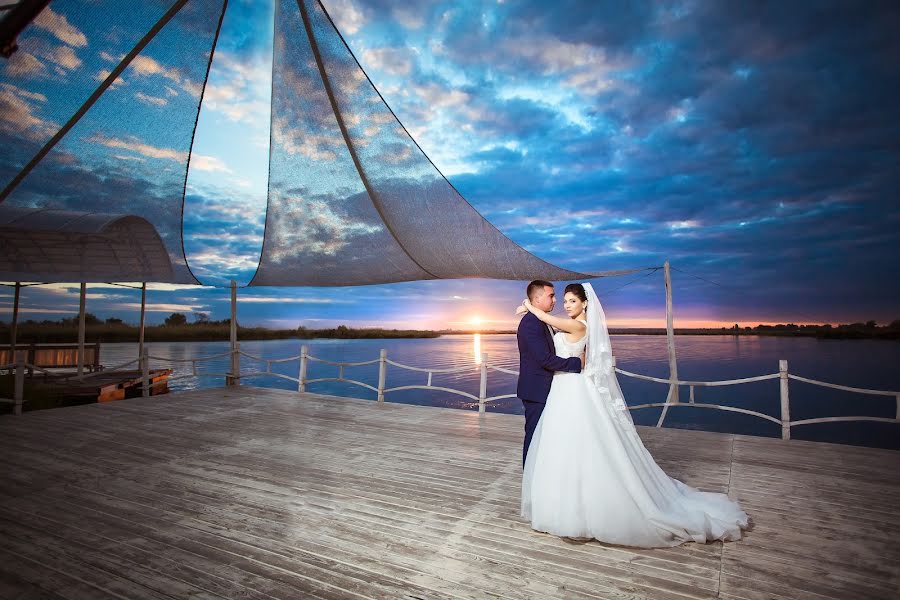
(261, 493)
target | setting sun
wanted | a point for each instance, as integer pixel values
(476, 321)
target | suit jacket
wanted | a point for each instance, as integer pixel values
(538, 360)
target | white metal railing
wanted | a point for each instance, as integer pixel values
(234, 377)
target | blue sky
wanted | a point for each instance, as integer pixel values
(753, 146)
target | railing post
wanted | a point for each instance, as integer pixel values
(785, 400)
(898, 407)
(235, 364)
(19, 389)
(382, 373)
(301, 386)
(482, 387)
(145, 373)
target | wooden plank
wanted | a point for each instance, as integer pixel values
(248, 492)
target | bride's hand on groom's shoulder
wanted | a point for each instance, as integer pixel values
(522, 308)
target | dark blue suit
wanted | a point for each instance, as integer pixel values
(537, 363)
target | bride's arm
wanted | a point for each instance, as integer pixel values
(563, 324)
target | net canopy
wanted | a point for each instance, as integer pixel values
(352, 198)
(98, 109)
(145, 64)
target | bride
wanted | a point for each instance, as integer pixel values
(587, 473)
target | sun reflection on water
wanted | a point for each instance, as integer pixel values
(476, 348)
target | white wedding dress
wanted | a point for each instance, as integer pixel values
(588, 474)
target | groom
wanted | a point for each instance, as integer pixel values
(538, 359)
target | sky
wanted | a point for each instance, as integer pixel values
(753, 146)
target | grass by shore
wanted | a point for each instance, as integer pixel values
(38, 333)
(852, 331)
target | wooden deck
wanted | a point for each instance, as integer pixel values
(246, 492)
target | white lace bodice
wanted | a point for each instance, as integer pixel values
(565, 348)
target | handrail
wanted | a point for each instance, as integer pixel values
(845, 388)
(420, 369)
(698, 383)
(234, 375)
(342, 364)
(186, 360)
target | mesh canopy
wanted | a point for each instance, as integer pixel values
(97, 115)
(127, 154)
(352, 199)
(60, 245)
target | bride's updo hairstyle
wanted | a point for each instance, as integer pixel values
(578, 290)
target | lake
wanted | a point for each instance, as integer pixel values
(873, 364)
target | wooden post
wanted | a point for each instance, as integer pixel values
(15, 324)
(19, 386)
(81, 329)
(233, 334)
(898, 408)
(143, 313)
(382, 373)
(235, 377)
(670, 338)
(785, 400)
(145, 373)
(482, 386)
(304, 352)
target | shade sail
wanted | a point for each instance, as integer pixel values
(97, 114)
(352, 198)
(126, 153)
(61, 245)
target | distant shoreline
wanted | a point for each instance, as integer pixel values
(66, 331)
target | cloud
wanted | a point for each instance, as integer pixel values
(60, 27)
(394, 61)
(19, 110)
(311, 226)
(152, 100)
(22, 63)
(292, 300)
(347, 16)
(209, 163)
(138, 147)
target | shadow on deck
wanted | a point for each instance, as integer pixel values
(260, 493)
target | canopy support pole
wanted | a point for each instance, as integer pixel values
(670, 336)
(15, 324)
(81, 302)
(235, 364)
(143, 315)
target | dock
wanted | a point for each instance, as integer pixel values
(246, 492)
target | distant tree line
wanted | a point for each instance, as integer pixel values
(176, 327)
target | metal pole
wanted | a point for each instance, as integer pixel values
(143, 314)
(15, 324)
(81, 329)
(670, 338)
